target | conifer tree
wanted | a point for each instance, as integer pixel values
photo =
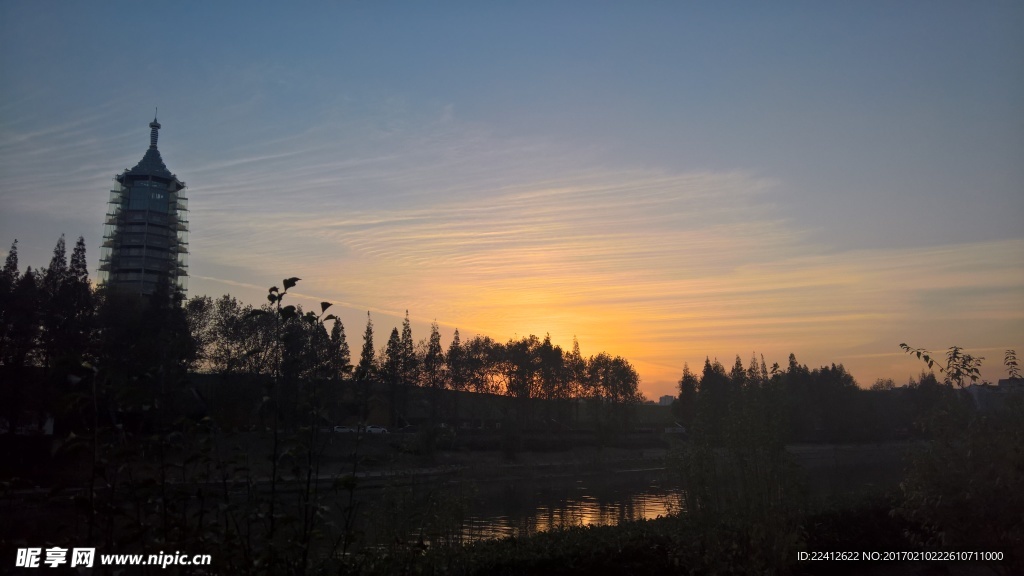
(57, 271)
(54, 312)
(78, 270)
(9, 277)
(392, 372)
(553, 383)
(20, 344)
(576, 373)
(686, 408)
(78, 302)
(364, 371)
(340, 349)
(392, 366)
(23, 321)
(433, 370)
(455, 360)
(713, 399)
(737, 376)
(410, 364)
(433, 360)
(757, 375)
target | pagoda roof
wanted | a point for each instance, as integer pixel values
(151, 165)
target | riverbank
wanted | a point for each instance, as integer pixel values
(680, 545)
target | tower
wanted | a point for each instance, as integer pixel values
(146, 236)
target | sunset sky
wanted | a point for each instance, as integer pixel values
(665, 181)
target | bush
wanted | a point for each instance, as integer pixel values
(964, 488)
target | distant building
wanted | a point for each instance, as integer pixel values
(146, 236)
(988, 398)
(666, 400)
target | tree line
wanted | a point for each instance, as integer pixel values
(798, 404)
(230, 339)
(56, 321)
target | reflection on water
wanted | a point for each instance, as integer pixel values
(524, 507)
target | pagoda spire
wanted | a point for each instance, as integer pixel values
(154, 126)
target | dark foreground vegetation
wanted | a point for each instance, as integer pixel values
(142, 459)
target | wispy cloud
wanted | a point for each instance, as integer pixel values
(510, 237)
(661, 267)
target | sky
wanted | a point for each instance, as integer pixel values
(664, 181)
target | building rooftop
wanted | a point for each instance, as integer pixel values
(152, 164)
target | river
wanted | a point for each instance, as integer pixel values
(462, 511)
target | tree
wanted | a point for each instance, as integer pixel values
(433, 376)
(199, 314)
(80, 302)
(738, 375)
(53, 310)
(410, 363)
(455, 360)
(22, 327)
(833, 395)
(520, 367)
(757, 373)
(553, 383)
(883, 384)
(22, 320)
(615, 387)
(482, 356)
(9, 277)
(342, 357)
(365, 372)
(433, 361)
(232, 338)
(391, 371)
(576, 374)
(962, 487)
(686, 407)
(713, 400)
(575, 368)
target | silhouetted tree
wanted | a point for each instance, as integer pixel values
(22, 331)
(614, 386)
(520, 367)
(52, 313)
(364, 373)
(686, 407)
(23, 320)
(757, 373)
(433, 361)
(455, 360)
(433, 376)
(410, 363)
(737, 376)
(9, 277)
(553, 381)
(391, 372)
(713, 400)
(78, 298)
(341, 357)
(482, 357)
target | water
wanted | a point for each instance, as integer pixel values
(463, 511)
(599, 500)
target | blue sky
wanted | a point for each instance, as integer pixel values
(666, 181)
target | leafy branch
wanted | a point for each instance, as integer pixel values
(1010, 361)
(959, 365)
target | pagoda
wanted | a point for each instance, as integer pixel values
(145, 241)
